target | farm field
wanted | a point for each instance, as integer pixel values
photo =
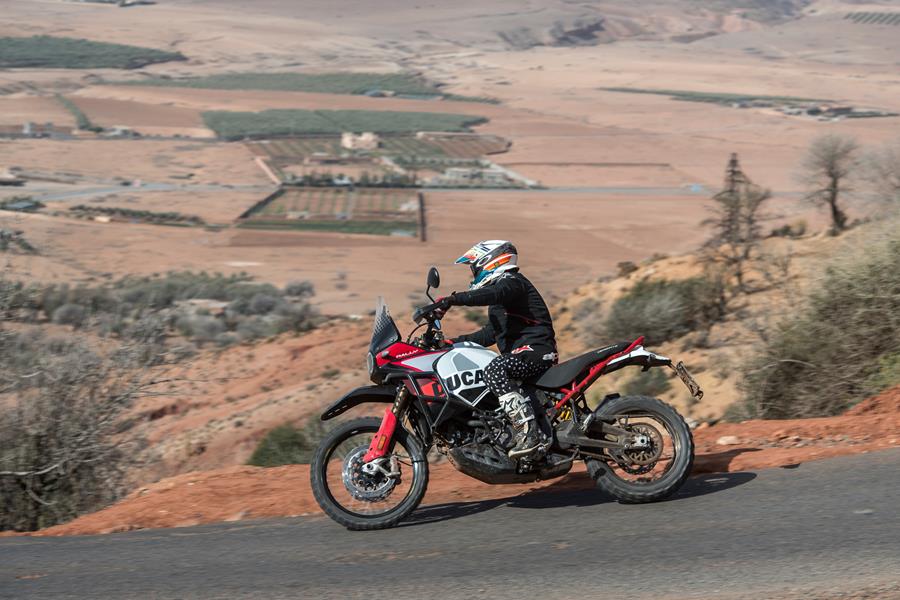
(462, 146)
(50, 52)
(378, 211)
(327, 83)
(43, 109)
(152, 120)
(280, 122)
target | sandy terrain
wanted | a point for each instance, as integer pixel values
(215, 207)
(147, 160)
(238, 493)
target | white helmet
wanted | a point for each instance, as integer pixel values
(488, 260)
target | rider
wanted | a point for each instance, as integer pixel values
(519, 323)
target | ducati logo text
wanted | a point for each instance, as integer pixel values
(466, 379)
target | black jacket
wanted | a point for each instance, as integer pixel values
(518, 316)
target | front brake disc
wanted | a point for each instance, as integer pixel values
(365, 486)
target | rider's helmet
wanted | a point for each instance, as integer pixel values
(488, 260)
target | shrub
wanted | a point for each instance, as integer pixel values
(254, 328)
(262, 304)
(120, 308)
(70, 314)
(888, 373)
(837, 349)
(64, 447)
(626, 267)
(663, 310)
(199, 328)
(299, 289)
(288, 445)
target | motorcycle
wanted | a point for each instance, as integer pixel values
(371, 473)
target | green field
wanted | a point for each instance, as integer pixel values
(44, 51)
(324, 83)
(328, 83)
(379, 211)
(874, 18)
(285, 122)
(713, 97)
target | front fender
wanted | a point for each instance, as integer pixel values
(361, 395)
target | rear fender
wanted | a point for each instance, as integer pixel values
(384, 394)
(638, 357)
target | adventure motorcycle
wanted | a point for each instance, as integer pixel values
(370, 473)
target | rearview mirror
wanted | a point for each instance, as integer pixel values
(434, 278)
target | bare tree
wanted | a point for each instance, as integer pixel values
(736, 223)
(884, 172)
(829, 163)
(66, 439)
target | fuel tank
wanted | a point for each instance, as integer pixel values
(461, 370)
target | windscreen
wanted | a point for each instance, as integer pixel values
(385, 332)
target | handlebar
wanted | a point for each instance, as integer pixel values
(426, 312)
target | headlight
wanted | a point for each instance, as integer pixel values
(370, 363)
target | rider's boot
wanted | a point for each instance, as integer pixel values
(521, 414)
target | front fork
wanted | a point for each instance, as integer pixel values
(382, 440)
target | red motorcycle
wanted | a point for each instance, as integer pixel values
(371, 473)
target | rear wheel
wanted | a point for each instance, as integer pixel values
(657, 466)
(361, 496)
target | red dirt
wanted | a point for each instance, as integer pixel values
(237, 493)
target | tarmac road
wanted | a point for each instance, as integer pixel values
(828, 529)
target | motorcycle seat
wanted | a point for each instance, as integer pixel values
(566, 372)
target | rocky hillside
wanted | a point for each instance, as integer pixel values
(788, 268)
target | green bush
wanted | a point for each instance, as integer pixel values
(44, 51)
(888, 373)
(288, 445)
(838, 349)
(663, 310)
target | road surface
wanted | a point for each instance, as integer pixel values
(814, 531)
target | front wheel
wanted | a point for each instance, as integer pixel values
(657, 467)
(360, 496)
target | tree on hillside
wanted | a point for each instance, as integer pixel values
(736, 224)
(884, 172)
(830, 161)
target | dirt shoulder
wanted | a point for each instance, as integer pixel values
(237, 493)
